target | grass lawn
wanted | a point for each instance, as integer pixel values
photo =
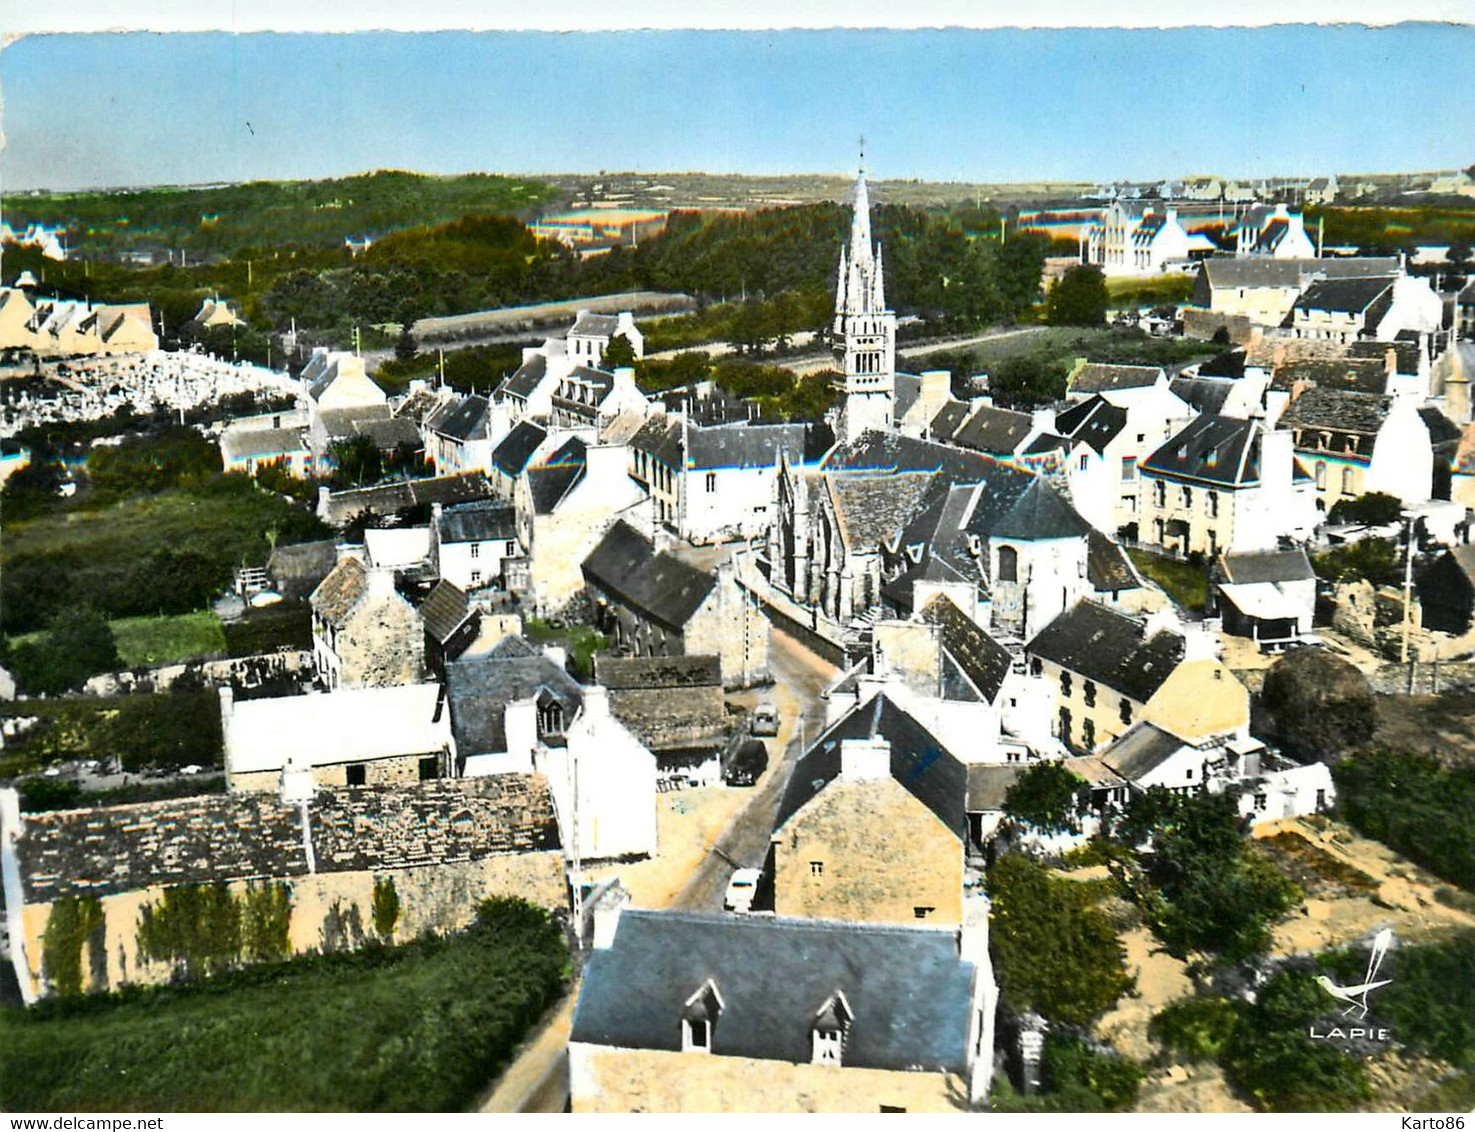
(287, 625)
(581, 641)
(1061, 344)
(149, 641)
(1185, 583)
(418, 1028)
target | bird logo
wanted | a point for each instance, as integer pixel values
(1356, 996)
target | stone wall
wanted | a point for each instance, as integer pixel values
(241, 672)
(1198, 323)
(377, 772)
(381, 646)
(329, 912)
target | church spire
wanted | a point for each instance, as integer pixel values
(865, 331)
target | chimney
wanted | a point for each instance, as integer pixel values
(1044, 419)
(557, 654)
(606, 463)
(865, 759)
(520, 724)
(604, 909)
(381, 581)
(323, 496)
(436, 511)
(296, 786)
(1391, 356)
(1277, 461)
(596, 702)
(973, 938)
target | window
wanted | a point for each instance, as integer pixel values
(511, 550)
(816, 868)
(550, 716)
(1036, 666)
(1124, 710)
(892, 1108)
(476, 550)
(1065, 725)
(1089, 689)
(1065, 684)
(1085, 462)
(831, 1028)
(922, 911)
(1129, 468)
(1260, 801)
(475, 576)
(1088, 733)
(1213, 505)
(1347, 488)
(1185, 496)
(1160, 493)
(355, 774)
(1320, 476)
(429, 768)
(1190, 774)
(1008, 564)
(699, 1019)
(711, 481)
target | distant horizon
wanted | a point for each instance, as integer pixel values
(1009, 106)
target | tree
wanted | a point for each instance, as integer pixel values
(1078, 298)
(1200, 887)
(1321, 704)
(1046, 796)
(1025, 380)
(77, 644)
(1375, 508)
(405, 347)
(618, 353)
(356, 462)
(1054, 950)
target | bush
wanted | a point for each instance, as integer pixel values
(77, 645)
(1055, 951)
(1376, 509)
(1069, 1065)
(1321, 704)
(1195, 1029)
(1046, 797)
(1414, 806)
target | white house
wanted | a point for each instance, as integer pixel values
(1276, 233)
(473, 542)
(591, 335)
(461, 434)
(1267, 595)
(1137, 240)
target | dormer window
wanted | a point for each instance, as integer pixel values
(550, 715)
(914, 552)
(699, 1019)
(831, 1028)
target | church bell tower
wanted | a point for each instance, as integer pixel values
(865, 330)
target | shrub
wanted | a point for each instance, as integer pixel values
(1415, 806)
(1069, 1064)
(1195, 1029)
(1321, 704)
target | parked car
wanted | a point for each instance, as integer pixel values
(741, 889)
(747, 764)
(765, 720)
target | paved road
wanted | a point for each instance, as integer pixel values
(819, 362)
(799, 677)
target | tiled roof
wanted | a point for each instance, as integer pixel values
(1108, 568)
(1141, 750)
(467, 420)
(389, 498)
(999, 432)
(1204, 394)
(1406, 354)
(660, 439)
(595, 325)
(1248, 567)
(622, 672)
(874, 508)
(1109, 648)
(1221, 450)
(1040, 513)
(910, 993)
(1358, 375)
(660, 587)
(743, 445)
(297, 569)
(989, 784)
(1361, 413)
(949, 419)
(341, 590)
(981, 658)
(516, 448)
(444, 610)
(478, 522)
(479, 690)
(522, 382)
(1096, 377)
(1344, 296)
(1096, 421)
(1263, 271)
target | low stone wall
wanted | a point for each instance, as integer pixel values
(242, 672)
(1198, 323)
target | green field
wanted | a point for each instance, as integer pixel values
(152, 641)
(1184, 582)
(422, 1027)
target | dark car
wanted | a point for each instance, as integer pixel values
(747, 764)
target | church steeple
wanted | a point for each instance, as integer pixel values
(865, 330)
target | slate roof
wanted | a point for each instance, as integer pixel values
(1096, 421)
(1344, 296)
(947, 421)
(1230, 364)
(296, 570)
(1406, 354)
(618, 673)
(1143, 749)
(522, 382)
(909, 991)
(980, 658)
(1247, 567)
(550, 482)
(1097, 377)
(660, 439)
(919, 761)
(479, 690)
(481, 521)
(1040, 512)
(516, 448)
(466, 420)
(1442, 430)
(999, 432)
(388, 435)
(989, 783)
(444, 610)
(1108, 568)
(252, 836)
(1261, 271)
(1219, 450)
(892, 452)
(389, 498)
(595, 325)
(240, 444)
(660, 587)
(1107, 647)
(743, 445)
(1316, 408)
(908, 388)
(1204, 394)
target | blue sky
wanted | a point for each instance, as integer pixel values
(984, 105)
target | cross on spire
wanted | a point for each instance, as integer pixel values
(862, 155)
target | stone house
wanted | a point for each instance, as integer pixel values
(588, 398)
(387, 500)
(564, 506)
(517, 709)
(1222, 482)
(351, 737)
(1262, 290)
(294, 571)
(452, 623)
(675, 706)
(695, 1012)
(1446, 591)
(316, 856)
(1355, 443)
(364, 633)
(655, 604)
(1109, 670)
(459, 435)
